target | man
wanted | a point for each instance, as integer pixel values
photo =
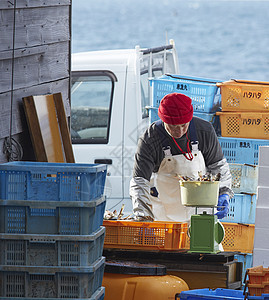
(178, 144)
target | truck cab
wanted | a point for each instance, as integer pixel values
(110, 93)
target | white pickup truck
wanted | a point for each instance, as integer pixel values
(109, 98)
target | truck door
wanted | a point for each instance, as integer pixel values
(97, 121)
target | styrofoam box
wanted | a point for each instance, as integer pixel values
(261, 238)
(264, 156)
(261, 257)
(262, 196)
(263, 175)
(262, 219)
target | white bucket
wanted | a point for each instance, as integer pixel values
(199, 193)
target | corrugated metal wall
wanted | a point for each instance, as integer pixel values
(34, 60)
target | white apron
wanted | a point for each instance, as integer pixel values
(167, 206)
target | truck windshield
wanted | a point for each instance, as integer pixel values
(91, 97)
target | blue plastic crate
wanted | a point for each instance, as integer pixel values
(51, 250)
(262, 297)
(52, 181)
(247, 261)
(242, 209)
(242, 151)
(98, 295)
(202, 91)
(153, 114)
(212, 294)
(244, 178)
(51, 282)
(51, 217)
(210, 117)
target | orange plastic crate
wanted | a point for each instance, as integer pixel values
(244, 95)
(145, 235)
(256, 289)
(258, 275)
(253, 125)
(238, 237)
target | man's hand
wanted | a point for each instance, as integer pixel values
(223, 206)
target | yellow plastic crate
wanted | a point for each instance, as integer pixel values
(253, 125)
(244, 95)
(238, 237)
(145, 235)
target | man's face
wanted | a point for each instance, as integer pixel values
(177, 131)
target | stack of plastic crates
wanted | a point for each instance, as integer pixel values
(257, 283)
(244, 120)
(51, 230)
(245, 109)
(243, 158)
(202, 91)
(239, 223)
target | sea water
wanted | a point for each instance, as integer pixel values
(218, 39)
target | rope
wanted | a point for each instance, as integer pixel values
(188, 155)
(11, 148)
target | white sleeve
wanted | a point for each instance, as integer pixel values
(140, 195)
(223, 168)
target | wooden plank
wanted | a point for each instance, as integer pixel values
(198, 270)
(19, 121)
(7, 4)
(35, 129)
(42, 62)
(21, 53)
(35, 26)
(172, 256)
(65, 134)
(200, 280)
(42, 117)
(5, 121)
(41, 67)
(49, 128)
(232, 272)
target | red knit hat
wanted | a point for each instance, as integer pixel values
(175, 109)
